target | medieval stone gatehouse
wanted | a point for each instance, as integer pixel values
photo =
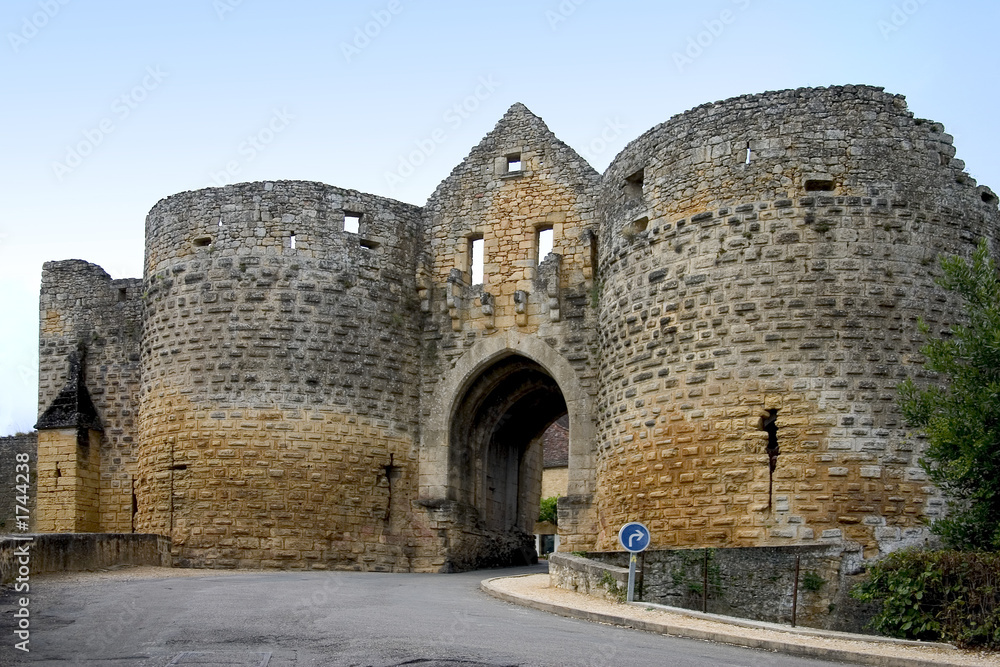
(308, 376)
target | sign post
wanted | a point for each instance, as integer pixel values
(635, 538)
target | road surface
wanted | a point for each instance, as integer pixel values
(297, 619)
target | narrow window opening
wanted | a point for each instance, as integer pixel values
(220, 221)
(988, 197)
(544, 243)
(291, 241)
(122, 294)
(352, 222)
(58, 471)
(819, 185)
(633, 186)
(202, 241)
(769, 424)
(513, 163)
(476, 260)
(594, 254)
(368, 244)
(748, 154)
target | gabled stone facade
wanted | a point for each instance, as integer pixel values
(310, 377)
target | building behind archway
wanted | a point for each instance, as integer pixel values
(308, 376)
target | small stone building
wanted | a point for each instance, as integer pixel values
(308, 376)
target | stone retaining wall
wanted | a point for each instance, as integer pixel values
(74, 552)
(755, 583)
(588, 576)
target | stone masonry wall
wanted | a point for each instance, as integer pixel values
(792, 283)
(518, 181)
(10, 447)
(280, 378)
(81, 305)
(722, 320)
(756, 583)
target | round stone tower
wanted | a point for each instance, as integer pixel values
(280, 377)
(764, 263)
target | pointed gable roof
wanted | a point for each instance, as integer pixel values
(519, 127)
(73, 407)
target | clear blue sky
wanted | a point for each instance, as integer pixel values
(109, 106)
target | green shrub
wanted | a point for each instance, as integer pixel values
(812, 582)
(952, 596)
(547, 510)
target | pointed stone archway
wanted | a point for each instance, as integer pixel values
(480, 461)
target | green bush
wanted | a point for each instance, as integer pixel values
(952, 596)
(960, 415)
(547, 510)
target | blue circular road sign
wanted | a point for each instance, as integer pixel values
(634, 537)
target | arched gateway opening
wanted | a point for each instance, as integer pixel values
(495, 442)
(481, 453)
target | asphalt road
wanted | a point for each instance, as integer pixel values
(289, 619)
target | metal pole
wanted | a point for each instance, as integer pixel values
(795, 592)
(704, 583)
(641, 572)
(631, 577)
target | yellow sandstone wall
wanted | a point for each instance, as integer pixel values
(790, 281)
(68, 482)
(280, 379)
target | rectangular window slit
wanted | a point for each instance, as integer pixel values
(122, 293)
(819, 185)
(769, 424)
(476, 260)
(544, 243)
(748, 153)
(352, 222)
(633, 185)
(513, 163)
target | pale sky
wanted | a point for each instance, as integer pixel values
(110, 106)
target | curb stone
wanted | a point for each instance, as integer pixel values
(667, 628)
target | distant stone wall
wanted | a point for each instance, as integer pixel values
(555, 482)
(10, 447)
